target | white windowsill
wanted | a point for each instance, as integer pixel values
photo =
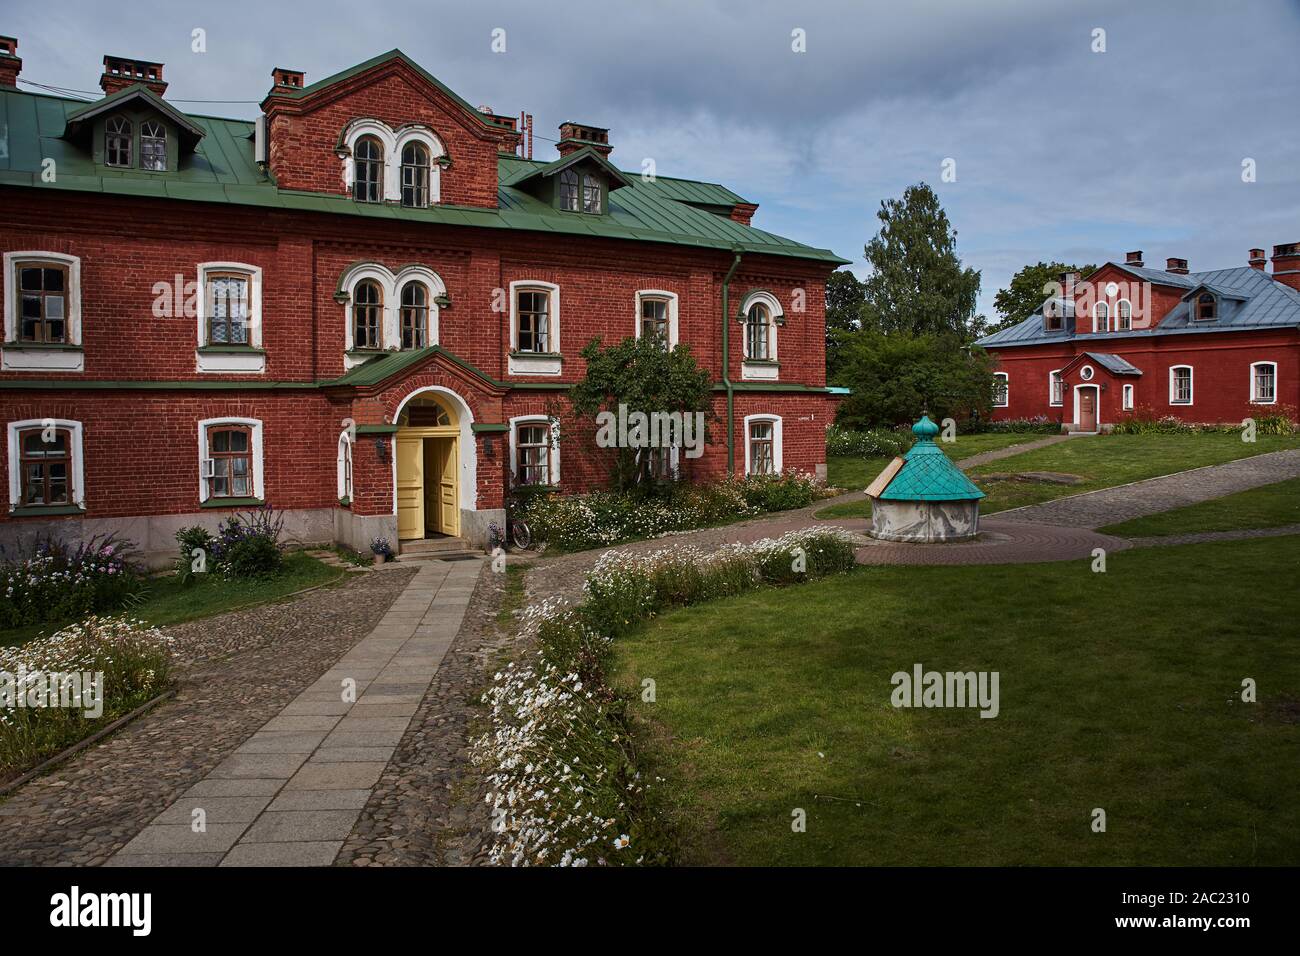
(231, 362)
(44, 360)
(759, 372)
(535, 364)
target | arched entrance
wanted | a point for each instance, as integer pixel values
(427, 458)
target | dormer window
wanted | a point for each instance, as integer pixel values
(591, 194)
(153, 146)
(415, 175)
(1100, 317)
(569, 191)
(1052, 319)
(117, 141)
(1207, 307)
(368, 184)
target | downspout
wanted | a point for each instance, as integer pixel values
(726, 363)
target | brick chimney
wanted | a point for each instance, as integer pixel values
(1134, 259)
(1257, 260)
(743, 212)
(1177, 267)
(1286, 264)
(121, 72)
(574, 136)
(1069, 281)
(287, 79)
(10, 64)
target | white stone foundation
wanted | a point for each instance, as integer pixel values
(926, 522)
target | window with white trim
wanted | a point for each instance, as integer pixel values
(656, 314)
(1056, 388)
(344, 464)
(760, 315)
(230, 318)
(368, 170)
(763, 441)
(386, 311)
(534, 328)
(569, 190)
(1124, 316)
(1180, 385)
(153, 146)
(415, 175)
(117, 141)
(1128, 398)
(230, 460)
(367, 315)
(533, 325)
(1101, 317)
(385, 165)
(45, 464)
(534, 451)
(415, 315)
(1206, 307)
(1001, 389)
(42, 312)
(1263, 383)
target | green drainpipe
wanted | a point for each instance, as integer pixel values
(726, 364)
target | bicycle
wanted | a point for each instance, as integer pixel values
(517, 530)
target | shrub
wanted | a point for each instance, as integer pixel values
(59, 582)
(192, 539)
(561, 756)
(1144, 421)
(245, 546)
(874, 443)
(133, 658)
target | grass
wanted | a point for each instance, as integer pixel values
(1102, 461)
(1269, 506)
(513, 596)
(1118, 690)
(844, 471)
(168, 601)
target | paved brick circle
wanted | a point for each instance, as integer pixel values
(999, 542)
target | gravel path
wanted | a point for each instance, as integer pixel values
(1096, 509)
(84, 810)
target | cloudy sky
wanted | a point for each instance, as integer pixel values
(1059, 152)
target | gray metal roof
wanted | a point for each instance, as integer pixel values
(1113, 363)
(1249, 299)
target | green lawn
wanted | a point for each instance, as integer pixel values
(1117, 690)
(1269, 506)
(170, 602)
(1103, 461)
(856, 473)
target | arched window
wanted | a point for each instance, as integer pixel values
(117, 141)
(415, 316)
(758, 333)
(368, 170)
(1263, 383)
(367, 315)
(345, 467)
(425, 411)
(1124, 311)
(1101, 317)
(153, 146)
(569, 191)
(415, 175)
(1207, 307)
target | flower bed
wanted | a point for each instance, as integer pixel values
(561, 756)
(872, 443)
(132, 657)
(59, 582)
(1268, 421)
(601, 519)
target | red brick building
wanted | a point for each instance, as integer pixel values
(365, 308)
(1207, 347)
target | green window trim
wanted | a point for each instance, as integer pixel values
(231, 349)
(545, 355)
(35, 511)
(232, 503)
(488, 427)
(377, 429)
(770, 362)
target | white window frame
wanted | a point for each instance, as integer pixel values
(393, 141)
(254, 426)
(346, 450)
(769, 369)
(1087, 373)
(390, 317)
(1052, 399)
(253, 361)
(1006, 390)
(1126, 399)
(778, 440)
(1120, 306)
(548, 363)
(77, 472)
(1254, 398)
(1191, 384)
(671, 299)
(554, 462)
(24, 357)
(1100, 318)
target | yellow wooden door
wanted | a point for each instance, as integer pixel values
(410, 488)
(448, 504)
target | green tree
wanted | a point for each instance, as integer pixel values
(894, 377)
(918, 286)
(645, 377)
(844, 301)
(1028, 290)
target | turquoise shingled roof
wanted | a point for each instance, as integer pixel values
(928, 474)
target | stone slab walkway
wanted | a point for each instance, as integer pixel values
(1096, 509)
(984, 457)
(291, 794)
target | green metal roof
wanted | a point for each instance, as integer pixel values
(928, 474)
(221, 169)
